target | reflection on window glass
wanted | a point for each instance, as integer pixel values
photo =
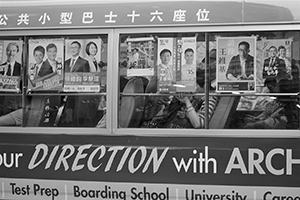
(162, 80)
(56, 67)
(275, 70)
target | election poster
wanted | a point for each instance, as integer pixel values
(277, 49)
(10, 65)
(46, 67)
(236, 64)
(266, 50)
(176, 64)
(82, 65)
(140, 56)
(166, 61)
(186, 68)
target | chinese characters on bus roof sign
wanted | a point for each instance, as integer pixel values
(138, 14)
(110, 15)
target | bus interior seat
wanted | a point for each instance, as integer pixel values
(129, 114)
(224, 112)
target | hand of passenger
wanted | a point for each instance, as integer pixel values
(163, 101)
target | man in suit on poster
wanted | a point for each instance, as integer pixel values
(241, 66)
(39, 66)
(76, 63)
(274, 67)
(11, 67)
(50, 63)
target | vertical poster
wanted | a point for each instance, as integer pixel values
(236, 64)
(82, 65)
(10, 65)
(186, 67)
(140, 56)
(166, 59)
(277, 49)
(176, 64)
(45, 69)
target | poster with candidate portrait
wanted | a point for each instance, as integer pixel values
(186, 64)
(139, 59)
(236, 64)
(10, 65)
(268, 48)
(46, 67)
(166, 64)
(82, 65)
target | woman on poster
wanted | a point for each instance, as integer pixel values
(91, 50)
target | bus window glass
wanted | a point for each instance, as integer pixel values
(257, 80)
(162, 80)
(65, 78)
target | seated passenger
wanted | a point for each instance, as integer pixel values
(183, 111)
(277, 113)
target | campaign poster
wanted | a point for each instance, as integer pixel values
(186, 64)
(140, 56)
(45, 69)
(268, 48)
(10, 65)
(166, 64)
(82, 65)
(236, 64)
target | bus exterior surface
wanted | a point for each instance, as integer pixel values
(88, 131)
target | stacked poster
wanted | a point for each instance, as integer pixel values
(236, 64)
(140, 56)
(274, 59)
(46, 68)
(10, 65)
(176, 64)
(82, 65)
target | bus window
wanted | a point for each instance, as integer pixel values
(162, 80)
(65, 78)
(260, 71)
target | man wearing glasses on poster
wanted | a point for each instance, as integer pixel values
(241, 66)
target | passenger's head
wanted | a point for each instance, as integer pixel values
(189, 55)
(91, 48)
(38, 54)
(244, 49)
(11, 51)
(272, 51)
(51, 51)
(165, 56)
(75, 48)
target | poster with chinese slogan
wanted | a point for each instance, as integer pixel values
(279, 49)
(266, 49)
(10, 65)
(46, 67)
(140, 57)
(82, 65)
(186, 64)
(166, 61)
(176, 64)
(236, 64)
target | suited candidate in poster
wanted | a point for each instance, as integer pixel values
(11, 67)
(76, 63)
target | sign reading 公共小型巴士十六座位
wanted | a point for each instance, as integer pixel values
(142, 14)
(192, 168)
